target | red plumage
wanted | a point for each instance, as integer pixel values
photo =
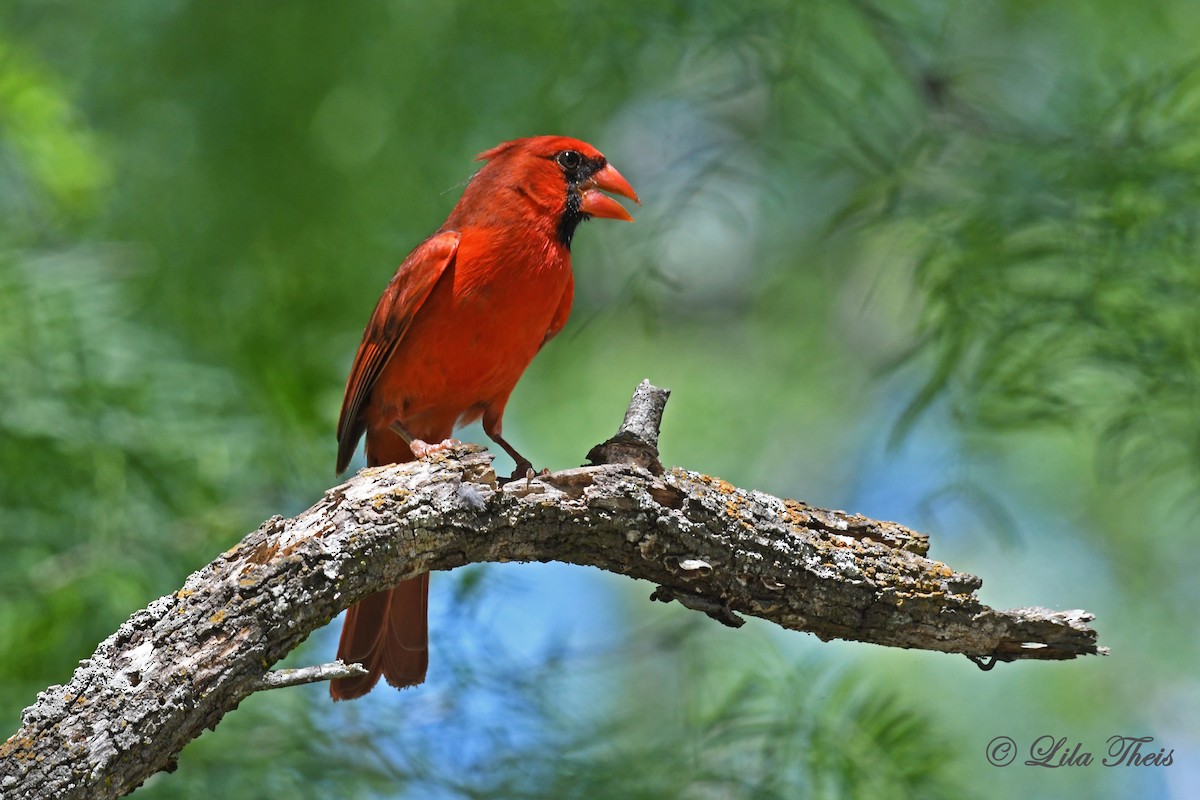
(452, 334)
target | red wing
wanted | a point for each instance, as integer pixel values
(401, 300)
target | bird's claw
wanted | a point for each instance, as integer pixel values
(525, 470)
(422, 449)
(530, 474)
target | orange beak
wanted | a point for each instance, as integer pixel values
(596, 204)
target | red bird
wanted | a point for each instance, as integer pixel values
(452, 334)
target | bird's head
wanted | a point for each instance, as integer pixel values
(564, 178)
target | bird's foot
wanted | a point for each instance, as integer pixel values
(422, 449)
(523, 470)
(526, 471)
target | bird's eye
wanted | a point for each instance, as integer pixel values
(569, 160)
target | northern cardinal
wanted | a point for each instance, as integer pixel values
(456, 327)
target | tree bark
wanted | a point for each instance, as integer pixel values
(177, 666)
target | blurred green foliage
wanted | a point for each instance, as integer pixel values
(966, 228)
(1061, 273)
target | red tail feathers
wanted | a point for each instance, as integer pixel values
(388, 633)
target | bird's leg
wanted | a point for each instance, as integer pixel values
(524, 467)
(421, 449)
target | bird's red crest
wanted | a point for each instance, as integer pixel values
(545, 146)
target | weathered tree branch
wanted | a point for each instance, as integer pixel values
(177, 666)
(281, 678)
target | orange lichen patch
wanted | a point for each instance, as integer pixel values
(22, 747)
(796, 514)
(183, 594)
(396, 495)
(917, 584)
(735, 505)
(217, 618)
(724, 487)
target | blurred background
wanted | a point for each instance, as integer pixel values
(934, 262)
